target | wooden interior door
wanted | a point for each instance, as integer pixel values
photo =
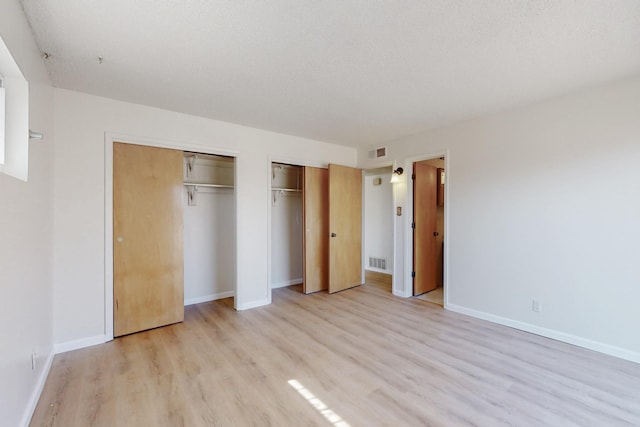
(345, 228)
(425, 217)
(315, 211)
(148, 270)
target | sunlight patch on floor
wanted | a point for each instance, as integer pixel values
(327, 412)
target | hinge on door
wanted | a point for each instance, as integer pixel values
(413, 224)
(413, 176)
(413, 274)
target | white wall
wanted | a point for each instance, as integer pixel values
(286, 240)
(378, 220)
(209, 246)
(79, 206)
(543, 202)
(26, 245)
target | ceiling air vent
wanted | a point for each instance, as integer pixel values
(378, 153)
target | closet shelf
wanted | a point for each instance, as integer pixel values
(197, 184)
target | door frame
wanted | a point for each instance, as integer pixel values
(109, 139)
(407, 268)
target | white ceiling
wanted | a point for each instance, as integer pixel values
(355, 72)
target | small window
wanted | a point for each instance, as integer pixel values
(14, 117)
(2, 119)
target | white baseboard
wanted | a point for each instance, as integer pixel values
(37, 391)
(549, 333)
(287, 283)
(81, 343)
(253, 304)
(207, 298)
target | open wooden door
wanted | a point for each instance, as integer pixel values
(345, 228)
(315, 211)
(148, 271)
(425, 203)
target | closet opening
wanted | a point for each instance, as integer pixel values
(209, 227)
(305, 202)
(286, 226)
(170, 233)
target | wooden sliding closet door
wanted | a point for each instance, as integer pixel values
(315, 211)
(345, 228)
(148, 271)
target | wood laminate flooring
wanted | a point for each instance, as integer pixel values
(435, 296)
(361, 357)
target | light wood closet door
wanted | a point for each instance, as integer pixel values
(425, 217)
(148, 271)
(345, 228)
(315, 194)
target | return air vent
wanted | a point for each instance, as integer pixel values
(378, 153)
(380, 263)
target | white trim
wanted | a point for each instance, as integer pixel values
(254, 304)
(236, 224)
(165, 143)
(362, 228)
(81, 343)
(270, 162)
(109, 139)
(549, 333)
(108, 236)
(37, 391)
(287, 283)
(207, 298)
(296, 162)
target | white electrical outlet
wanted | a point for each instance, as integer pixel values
(34, 359)
(535, 306)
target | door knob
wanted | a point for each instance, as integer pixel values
(333, 234)
(436, 234)
(120, 239)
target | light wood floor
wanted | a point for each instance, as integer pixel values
(361, 357)
(435, 296)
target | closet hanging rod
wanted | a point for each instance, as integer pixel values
(195, 184)
(285, 189)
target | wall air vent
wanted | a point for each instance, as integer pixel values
(378, 153)
(380, 263)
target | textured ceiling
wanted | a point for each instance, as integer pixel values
(355, 72)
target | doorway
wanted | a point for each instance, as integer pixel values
(378, 227)
(429, 180)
